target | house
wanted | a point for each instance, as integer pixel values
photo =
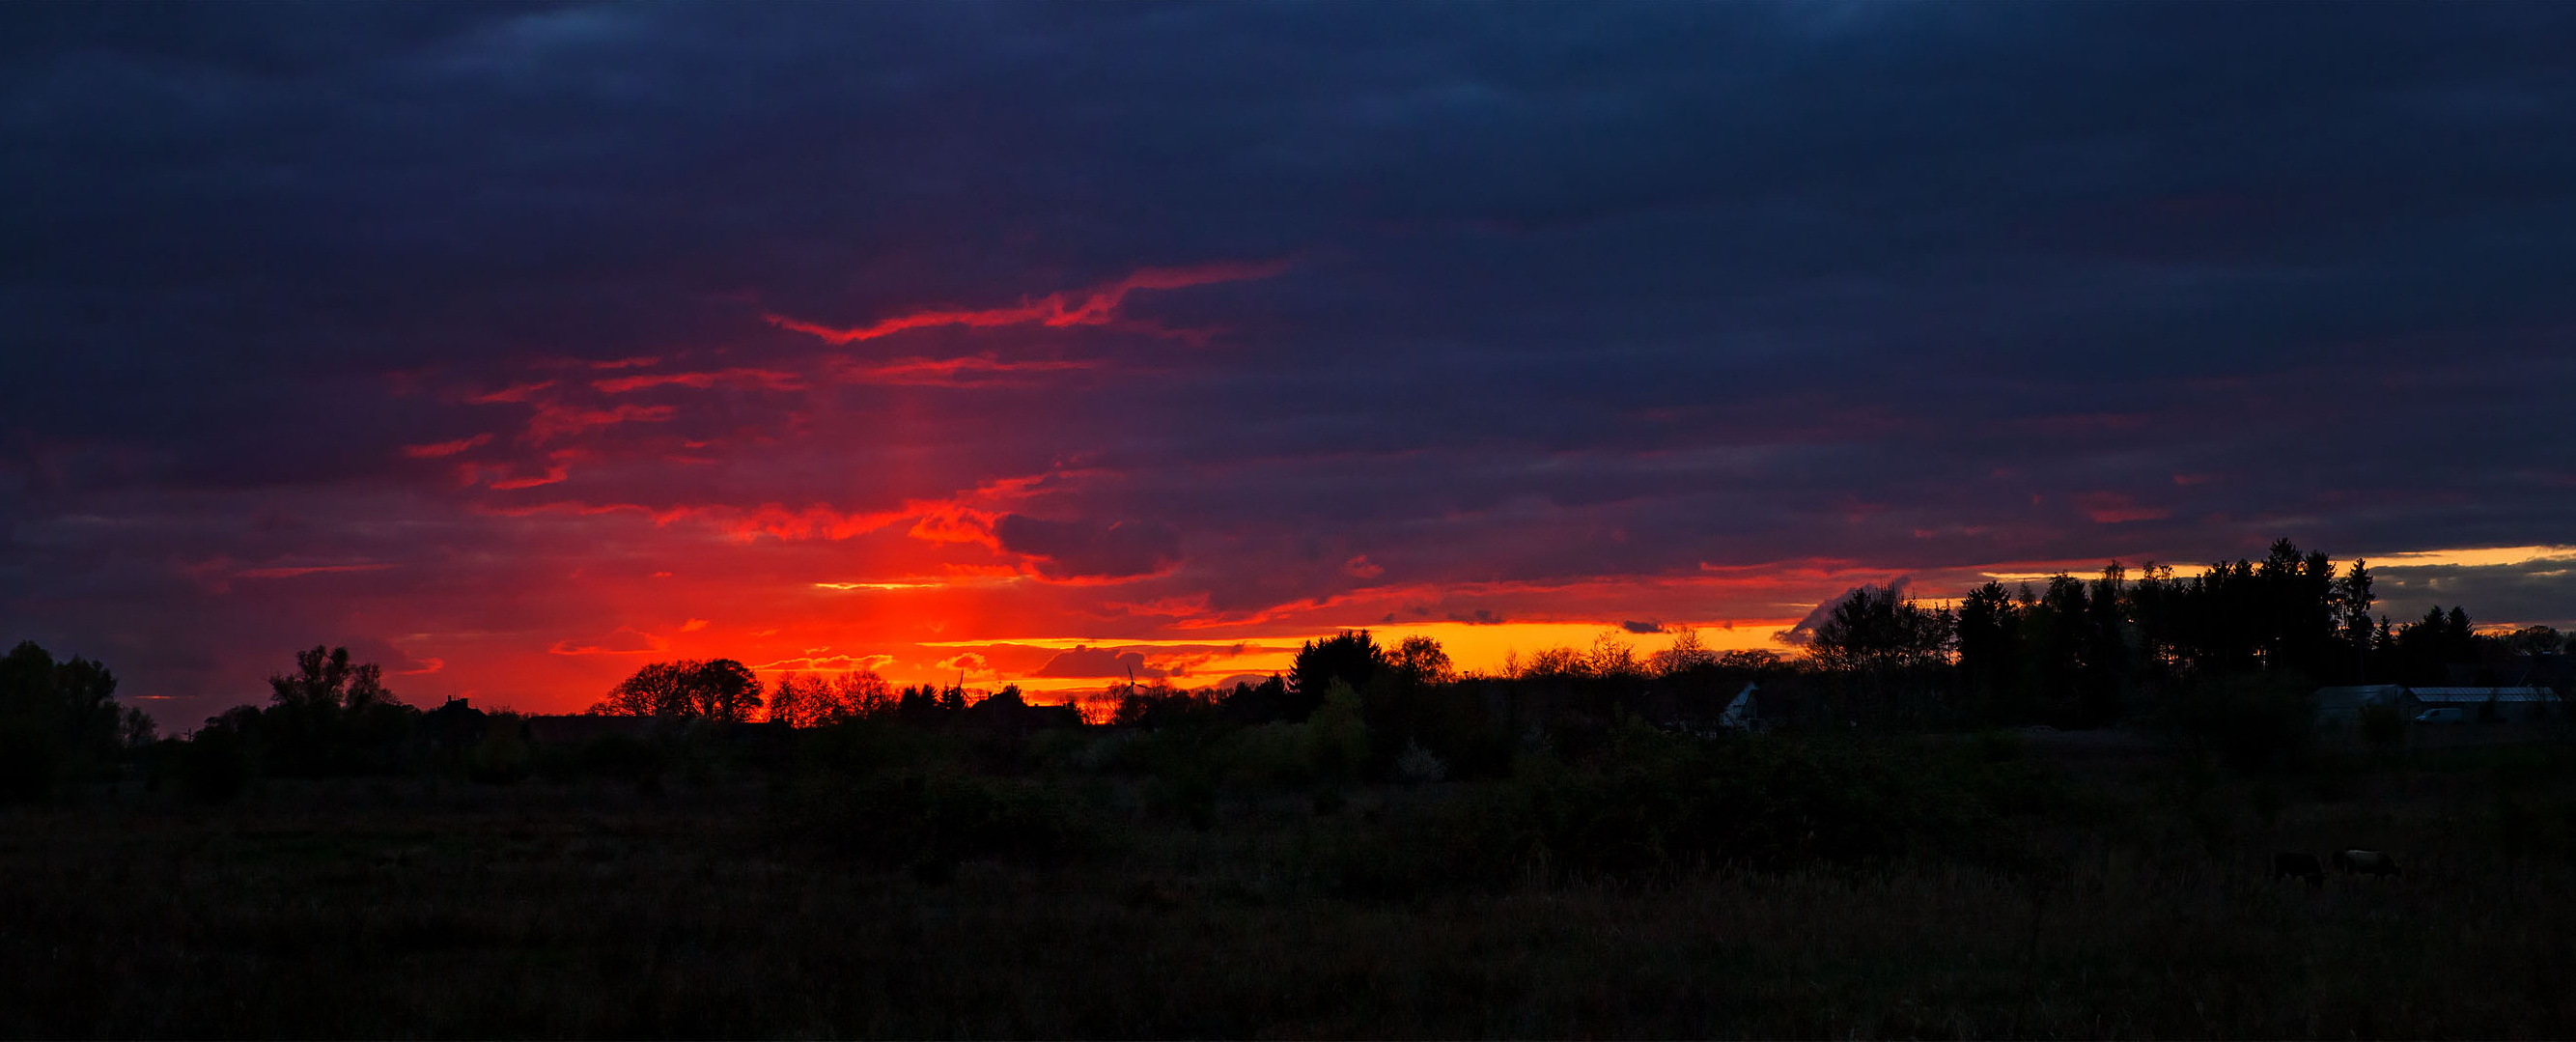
(1743, 714)
(453, 726)
(1008, 714)
(2342, 706)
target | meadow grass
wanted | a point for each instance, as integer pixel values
(399, 910)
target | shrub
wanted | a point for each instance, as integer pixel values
(933, 818)
(2384, 727)
(502, 757)
(1337, 738)
(214, 766)
(1269, 754)
(2253, 723)
(1660, 804)
(1416, 765)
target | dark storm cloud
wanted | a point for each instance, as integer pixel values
(1558, 291)
(1083, 549)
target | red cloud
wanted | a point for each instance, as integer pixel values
(949, 523)
(444, 448)
(948, 372)
(1089, 308)
(624, 640)
(813, 522)
(2111, 508)
(290, 572)
(555, 473)
(768, 379)
(553, 421)
(512, 393)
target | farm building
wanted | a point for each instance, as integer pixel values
(2486, 703)
(2341, 706)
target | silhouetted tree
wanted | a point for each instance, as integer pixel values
(1351, 657)
(798, 700)
(1989, 633)
(1686, 654)
(1610, 658)
(1876, 627)
(929, 704)
(1420, 661)
(1256, 703)
(2534, 640)
(2427, 648)
(59, 721)
(330, 716)
(2353, 601)
(811, 700)
(717, 689)
(861, 693)
(1751, 660)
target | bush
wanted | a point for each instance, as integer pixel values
(2384, 727)
(500, 758)
(214, 766)
(27, 761)
(1417, 765)
(1269, 754)
(1337, 738)
(1656, 803)
(931, 819)
(2252, 723)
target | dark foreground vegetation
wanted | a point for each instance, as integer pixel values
(1370, 846)
(1755, 887)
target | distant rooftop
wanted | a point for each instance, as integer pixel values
(2482, 694)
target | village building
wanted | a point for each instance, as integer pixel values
(2342, 707)
(2490, 704)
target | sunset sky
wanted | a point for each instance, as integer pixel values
(514, 347)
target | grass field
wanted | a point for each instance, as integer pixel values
(402, 909)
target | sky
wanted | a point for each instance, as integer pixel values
(515, 347)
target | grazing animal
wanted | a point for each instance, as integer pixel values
(2366, 862)
(2300, 864)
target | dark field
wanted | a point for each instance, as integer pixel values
(2134, 902)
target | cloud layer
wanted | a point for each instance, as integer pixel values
(512, 340)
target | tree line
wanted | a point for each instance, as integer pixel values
(2085, 653)
(2147, 647)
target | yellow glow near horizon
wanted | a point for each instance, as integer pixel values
(1481, 648)
(1472, 648)
(2487, 557)
(2180, 571)
(2481, 558)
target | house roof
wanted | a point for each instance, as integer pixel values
(2360, 695)
(2465, 695)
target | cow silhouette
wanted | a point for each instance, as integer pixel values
(2300, 864)
(2366, 862)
